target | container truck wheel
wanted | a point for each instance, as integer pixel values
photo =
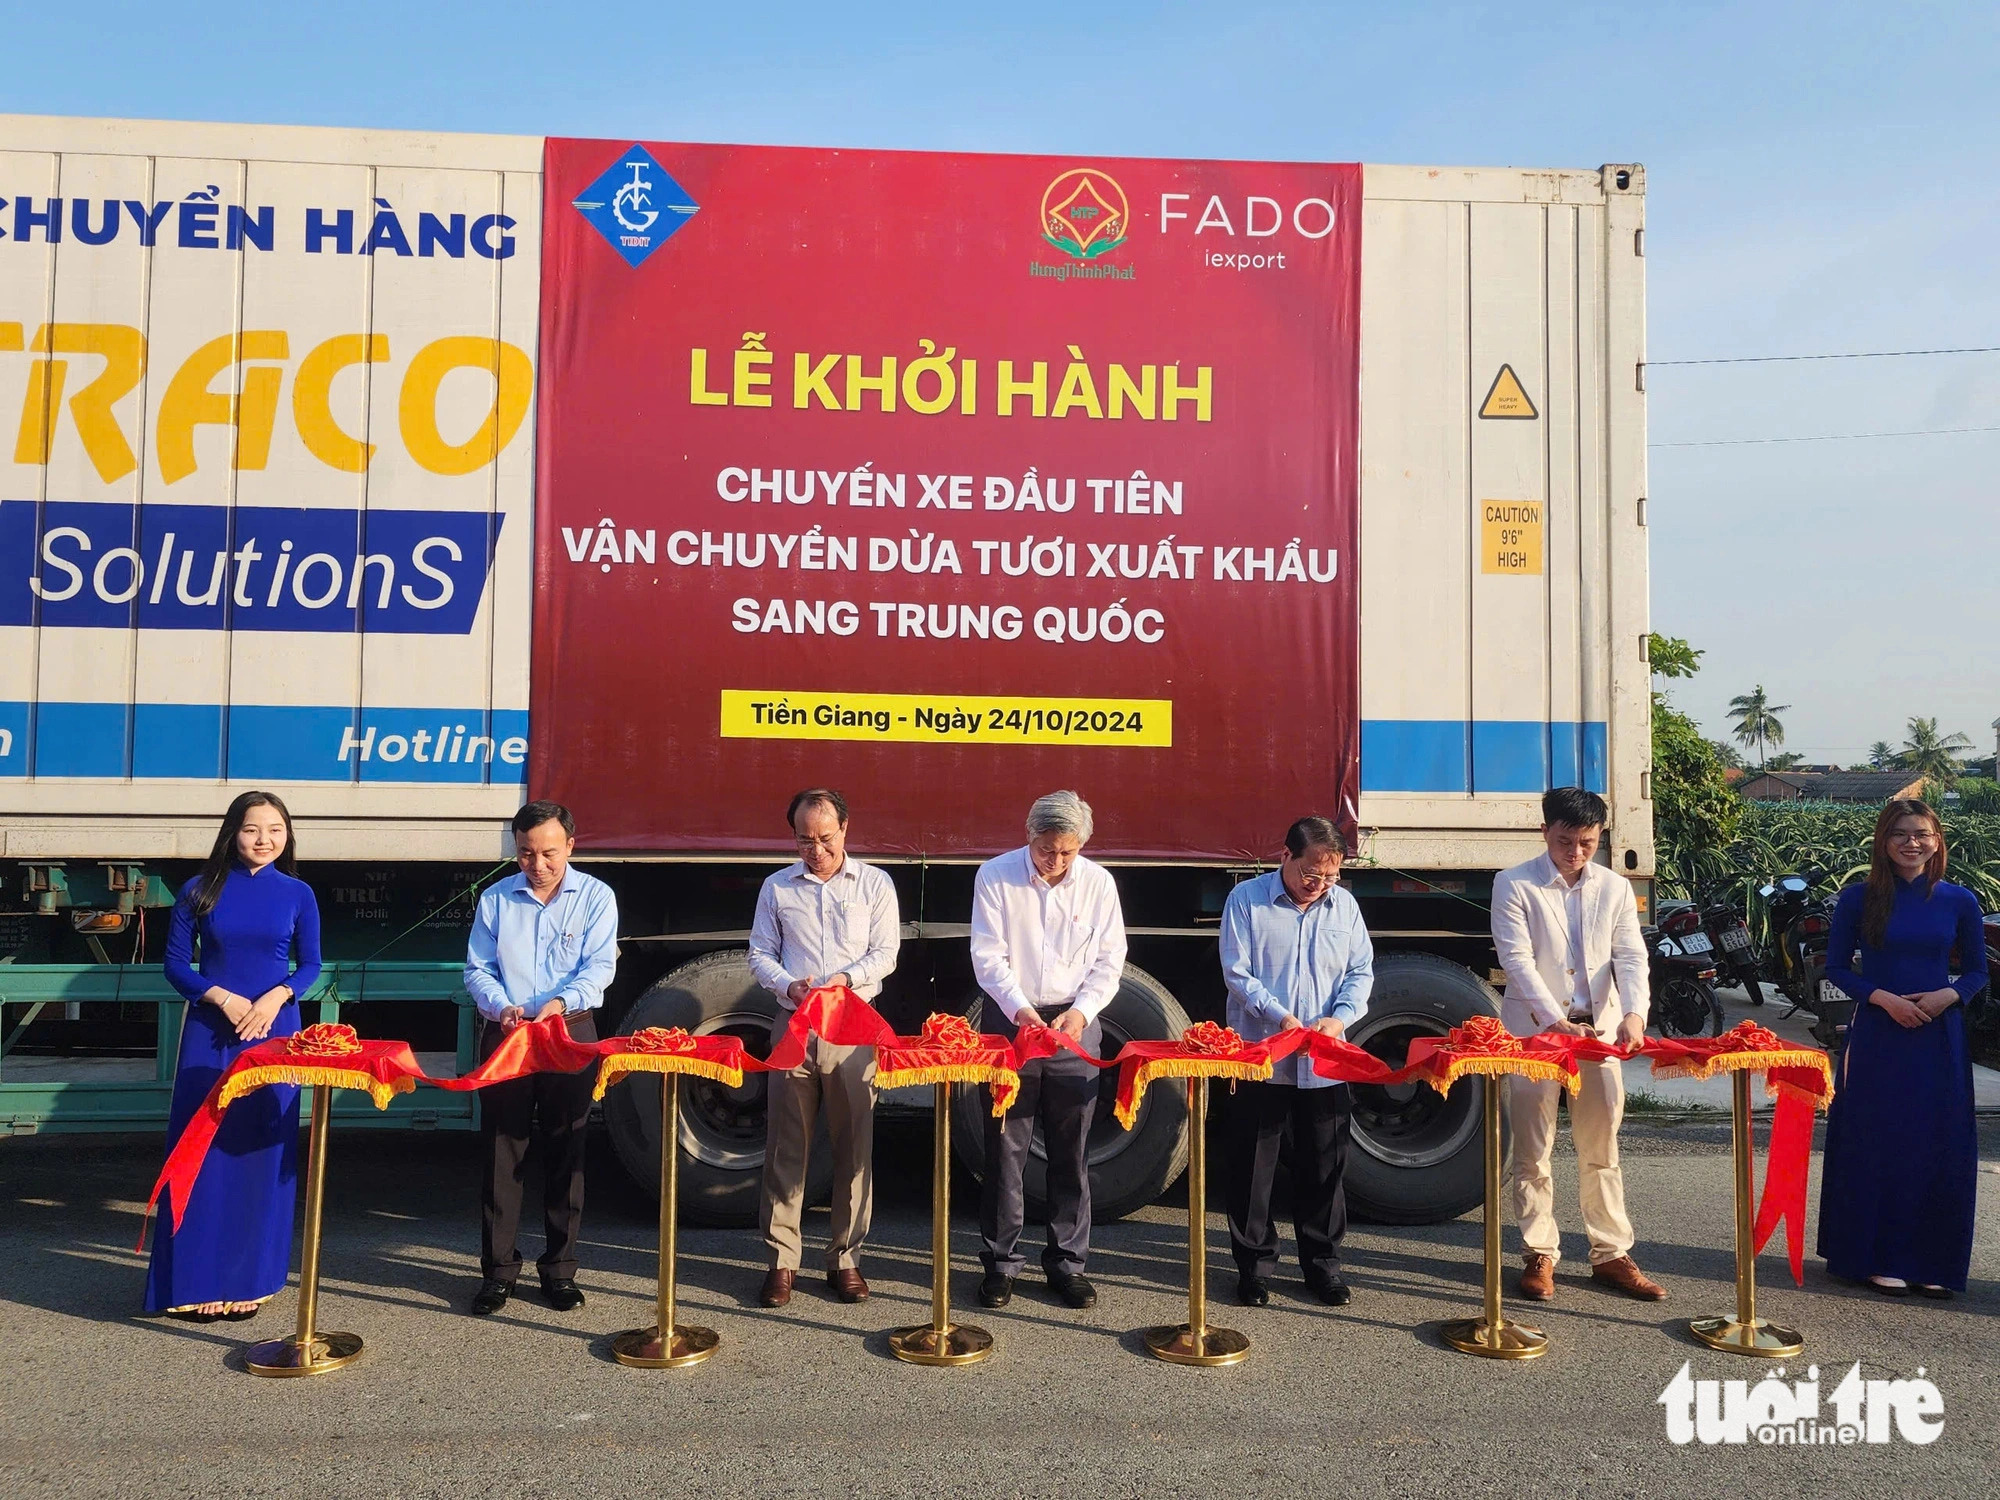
(1128, 1168)
(1418, 1156)
(722, 1129)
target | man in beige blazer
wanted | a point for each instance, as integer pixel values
(1567, 932)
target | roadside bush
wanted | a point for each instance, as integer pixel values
(1975, 795)
(1775, 837)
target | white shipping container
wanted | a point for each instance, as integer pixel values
(267, 517)
(271, 493)
(1502, 341)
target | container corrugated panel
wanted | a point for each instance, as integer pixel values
(1503, 563)
(265, 482)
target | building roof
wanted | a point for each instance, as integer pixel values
(1840, 786)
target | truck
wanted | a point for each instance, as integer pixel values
(411, 475)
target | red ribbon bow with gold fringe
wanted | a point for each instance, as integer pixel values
(326, 1039)
(948, 1050)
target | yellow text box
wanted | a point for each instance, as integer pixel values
(945, 718)
(1510, 536)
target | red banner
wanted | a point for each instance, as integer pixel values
(893, 470)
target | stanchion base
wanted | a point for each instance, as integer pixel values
(1757, 1338)
(1178, 1344)
(285, 1356)
(959, 1344)
(1507, 1341)
(641, 1347)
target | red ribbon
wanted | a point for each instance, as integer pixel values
(844, 1019)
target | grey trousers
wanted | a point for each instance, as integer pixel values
(1061, 1093)
(843, 1078)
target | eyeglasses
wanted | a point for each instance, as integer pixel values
(826, 841)
(1903, 836)
(1317, 882)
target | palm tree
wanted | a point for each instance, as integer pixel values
(1931, 756)
(1756, 718)
(1882, 756)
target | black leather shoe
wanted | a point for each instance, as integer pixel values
(1329, 1289)
(1075, 1291)
(562, 1293)
(996, 1290)
(492, 1297)
(1253, 1291)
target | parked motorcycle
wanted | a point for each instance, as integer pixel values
(1681, 975)
(1795, 958)
(1736, 958)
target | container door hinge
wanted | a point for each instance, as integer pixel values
(1642, 510)
(1639, 377)
(1639, 243)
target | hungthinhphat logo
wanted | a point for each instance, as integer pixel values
(1084, 213)
(635, 205)
(1773, 1413)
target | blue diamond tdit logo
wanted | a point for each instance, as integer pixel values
(635, 205)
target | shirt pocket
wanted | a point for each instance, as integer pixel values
(850, 929)
(1075, 942)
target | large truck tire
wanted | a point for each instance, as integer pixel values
(722, 1129)
(1128, 1168)
(1418, 1156)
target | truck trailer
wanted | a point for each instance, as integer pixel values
(411, 475)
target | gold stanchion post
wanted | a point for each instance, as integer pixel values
(1746, 1333)
(308, 1351)
(940, 1342)
(666, 1345)
(1195, 1342)
(1491, 1334)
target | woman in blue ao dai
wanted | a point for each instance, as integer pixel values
(242, 947)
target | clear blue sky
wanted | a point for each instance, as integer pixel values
(1819, 179)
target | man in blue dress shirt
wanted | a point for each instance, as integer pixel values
(544, 943)
(1294, 953)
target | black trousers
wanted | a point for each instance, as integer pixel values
(1320, 1121)
(553, 1109)
(1061, 1093)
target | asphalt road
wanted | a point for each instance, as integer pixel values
(1358, 1401)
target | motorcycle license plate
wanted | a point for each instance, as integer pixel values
(1697, 942)
(1735, 939)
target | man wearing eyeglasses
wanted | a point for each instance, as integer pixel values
(826, 919)
(1294, 953)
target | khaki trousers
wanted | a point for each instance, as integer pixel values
(1594, 1115)
(843, 1078)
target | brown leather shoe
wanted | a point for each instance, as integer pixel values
(1538, 1277)
(1622, 1276)
(847, 1285)
(777, 1287)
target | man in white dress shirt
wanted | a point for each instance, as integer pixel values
(1048, 946)
(1567, 932)
(825, 919)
